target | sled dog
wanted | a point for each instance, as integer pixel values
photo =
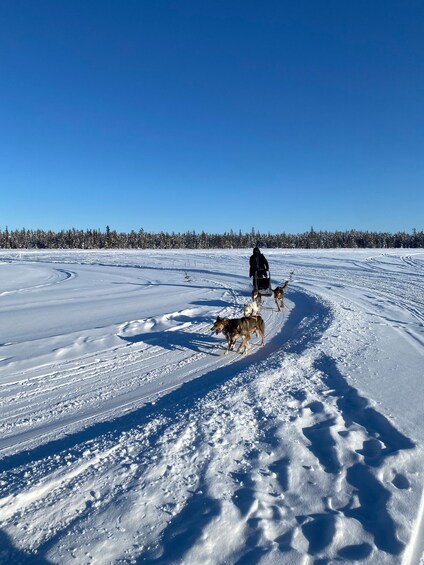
(256, 296)
(279, 295)
(233, 328)
(251, 309)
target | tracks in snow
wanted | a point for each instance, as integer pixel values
(249, 454)
(147, 358)
(271, 456)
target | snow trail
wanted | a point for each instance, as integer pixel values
(129, 437)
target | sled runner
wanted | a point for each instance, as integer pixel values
(262, 281)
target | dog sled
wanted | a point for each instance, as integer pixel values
(262, 281)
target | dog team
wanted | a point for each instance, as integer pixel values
(251, 323)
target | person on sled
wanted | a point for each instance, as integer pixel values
(257, 262)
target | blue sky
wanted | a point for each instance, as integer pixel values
(187, 115)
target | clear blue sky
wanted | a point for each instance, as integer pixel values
(215, 115)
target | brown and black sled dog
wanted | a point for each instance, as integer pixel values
(244, 327)
(279, 295)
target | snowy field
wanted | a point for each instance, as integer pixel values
(127, 436)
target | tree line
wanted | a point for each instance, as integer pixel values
(111, 239)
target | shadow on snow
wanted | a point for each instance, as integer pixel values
(305, 325)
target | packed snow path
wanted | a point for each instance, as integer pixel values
(127, 436)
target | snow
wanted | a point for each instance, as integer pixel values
(128, 436)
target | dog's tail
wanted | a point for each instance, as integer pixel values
(283, 286)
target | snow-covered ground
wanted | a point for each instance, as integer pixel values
(127, 436)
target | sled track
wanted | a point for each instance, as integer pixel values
(260, 474)
(276, 452)
(94, 386)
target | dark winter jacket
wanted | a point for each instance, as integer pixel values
(257, 261)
